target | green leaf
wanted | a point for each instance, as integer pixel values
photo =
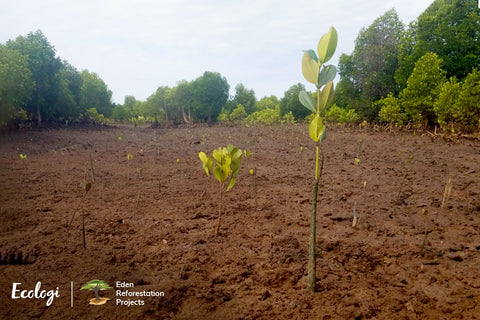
(236, 154)
(218, 155)
(312, 54)
(316, 128)
(232, 182)
(323, 135)
(307, 101)
(327, 46)
(327, 74)
(310, 68)
(221, 173)
(326, 96)
(206, 161)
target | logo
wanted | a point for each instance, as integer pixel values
(36, 293)
(96, 286)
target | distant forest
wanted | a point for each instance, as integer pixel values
(425, 74)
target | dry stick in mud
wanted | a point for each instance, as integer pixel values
(321, 76)
(86, 187)
(446, 192)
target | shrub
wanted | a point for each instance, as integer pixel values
(223, 116)
(121, 113)
(238, 113)
(391, 111)
(339, 115)
(446, 105)
(91, 116)
(468, 104)
(459, 103)
(267, 117)
(288, 118)
(423, 88)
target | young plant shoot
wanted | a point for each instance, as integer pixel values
(315, 71)
(227, 165)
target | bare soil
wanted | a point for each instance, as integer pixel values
(151, 221)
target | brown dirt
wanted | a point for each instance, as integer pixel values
(407, 259)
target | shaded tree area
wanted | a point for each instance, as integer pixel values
(36, 85)
(416, 74)
(369, 72)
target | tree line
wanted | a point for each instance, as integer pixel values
(425, 73)
(37, 86)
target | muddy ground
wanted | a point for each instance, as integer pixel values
(150, 222)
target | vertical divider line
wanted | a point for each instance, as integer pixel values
(71, 294)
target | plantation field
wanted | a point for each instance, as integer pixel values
(151, 214)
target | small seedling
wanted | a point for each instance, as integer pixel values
(321, 76)
(227, 165)
(23, 157)
(356, 218)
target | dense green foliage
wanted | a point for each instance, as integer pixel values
(391, 76)
(291, 103)
(369, 72)
(423, 88)
(36, 85)
(450, 28)
(398, 76)
(244, 97)
(16, 84)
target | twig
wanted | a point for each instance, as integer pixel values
(355, 217)
(446, 192)
(91, 167)
(83, 232)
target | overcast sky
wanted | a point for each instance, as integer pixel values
(136, 46)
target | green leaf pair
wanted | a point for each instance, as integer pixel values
(314, 71)
(227, 163)
(316, 129)
(311, 63)
(325, 99)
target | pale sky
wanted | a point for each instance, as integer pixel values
(137, 46)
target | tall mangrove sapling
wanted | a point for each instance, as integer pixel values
(321, 76)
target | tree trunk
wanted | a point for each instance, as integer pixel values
(39, 117)
(97, 296)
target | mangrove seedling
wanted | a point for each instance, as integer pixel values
(315, 71)
(225, 169)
